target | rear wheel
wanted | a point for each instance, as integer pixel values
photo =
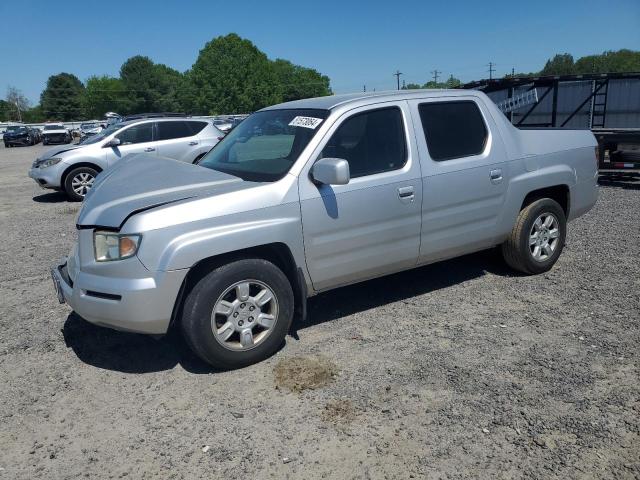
(78, 182)
(238, 314)
(537, 238)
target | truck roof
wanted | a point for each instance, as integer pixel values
(333, 101)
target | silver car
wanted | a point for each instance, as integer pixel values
(73, 169)
(311, 195)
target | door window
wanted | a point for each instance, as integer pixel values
(196, 127)
(136, 134)
(372, 142)
(453, 129)
(173, 129)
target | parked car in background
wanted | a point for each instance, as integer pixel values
(37, 134)
(89, 129)
(312, 195)
(56, 133)
(19, 135)
(73, 169)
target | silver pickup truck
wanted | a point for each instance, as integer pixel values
(312, 195)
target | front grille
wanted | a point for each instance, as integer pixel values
(56, 137)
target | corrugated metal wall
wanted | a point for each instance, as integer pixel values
(623, 104)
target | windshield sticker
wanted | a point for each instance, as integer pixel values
(305, 122)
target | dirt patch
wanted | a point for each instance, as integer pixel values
(304, 372)
(339, 412)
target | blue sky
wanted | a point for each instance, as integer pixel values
(354, 43)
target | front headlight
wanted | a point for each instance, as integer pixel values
(49, 162)
(114, 246)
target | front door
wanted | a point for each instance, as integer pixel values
(134, 139)
(371, 226)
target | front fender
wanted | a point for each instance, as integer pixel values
(182, 246)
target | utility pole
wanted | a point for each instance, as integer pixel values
(364, 88)
(513, 72)
(436, 74)
(397, 75)
(491, 70)
(404, 85)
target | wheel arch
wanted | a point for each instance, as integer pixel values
(277, 253)
(70, 168)
(560, 193)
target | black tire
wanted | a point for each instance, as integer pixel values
(517, 252)
(44, 142)
(69, 178)
(199, 303)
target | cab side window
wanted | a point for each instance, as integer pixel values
(136, 134)
(453, 129)
(372, 142)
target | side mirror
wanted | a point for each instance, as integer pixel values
(331, 171)
(114, 142)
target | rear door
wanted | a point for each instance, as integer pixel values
(137, 138)
(177, 140)
(465, 175)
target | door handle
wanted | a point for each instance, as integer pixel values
(496, 175)
(193, 143)
(406, 193)
(149, 149)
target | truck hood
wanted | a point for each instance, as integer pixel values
(140, 182)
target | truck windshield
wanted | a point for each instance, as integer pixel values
(54, 127)
(264, 146)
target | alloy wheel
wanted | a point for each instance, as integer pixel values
(81, 183)
(544, 236)
(244, 315)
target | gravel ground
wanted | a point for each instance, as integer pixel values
(460, 369)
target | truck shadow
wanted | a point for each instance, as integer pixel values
(134, 353)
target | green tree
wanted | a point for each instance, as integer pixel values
(561, 64)
(104, 94)
(609, 62)
(6, 109)
(298, 82)
(62, 98)
(412, 86)
(34, 115)
(231, 76)
(149, 87)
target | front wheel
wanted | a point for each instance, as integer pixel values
(537, 238)
(238, 314)
(78, 182)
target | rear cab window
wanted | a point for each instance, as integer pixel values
(453, 129)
